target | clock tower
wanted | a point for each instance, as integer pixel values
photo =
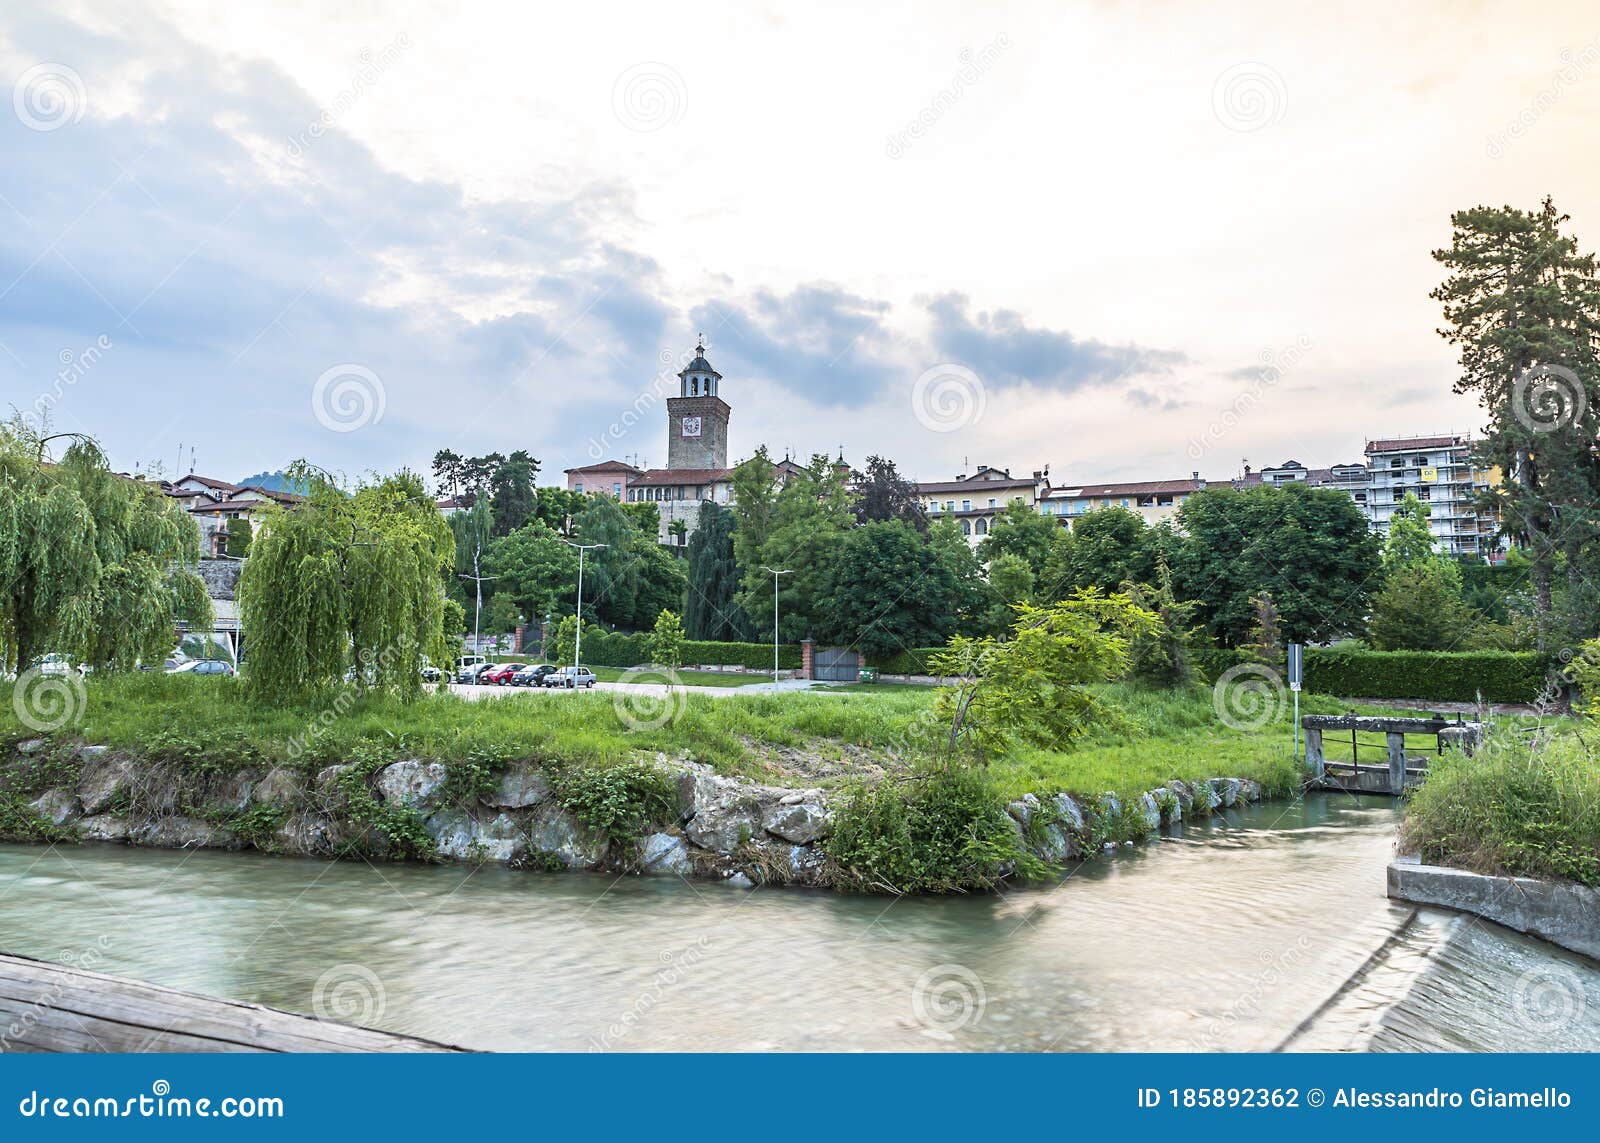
(697, 418)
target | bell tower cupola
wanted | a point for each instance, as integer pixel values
(697, 418)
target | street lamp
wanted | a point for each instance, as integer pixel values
(776, 572)
(477, 614)
(577, 641)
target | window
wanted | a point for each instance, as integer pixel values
(1397, 462)
(578, 487)
(933, 506)
(966, 527)
(1164, 501)
(1419, 461)
(966, 506)
(949, 505)
(992, 502)
(1124, 501)
(616, 490)
(983, 526)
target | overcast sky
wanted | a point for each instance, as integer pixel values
(1126, 240)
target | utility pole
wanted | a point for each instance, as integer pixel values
(577, 641)
(478, 582)
(776, 572)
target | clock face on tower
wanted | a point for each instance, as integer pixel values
(691, 426)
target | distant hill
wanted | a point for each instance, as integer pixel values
(274, 482)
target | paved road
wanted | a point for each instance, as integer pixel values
(785, 686)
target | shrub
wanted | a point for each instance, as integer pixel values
(1442, 676)
(943, 831)
(619, 800)
(912, 661)
(1511, 808)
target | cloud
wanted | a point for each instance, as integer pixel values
(1004, 350)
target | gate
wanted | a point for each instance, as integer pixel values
(836, 665)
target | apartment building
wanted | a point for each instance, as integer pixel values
(1439, 470)
(974, 501)
(1154, 500)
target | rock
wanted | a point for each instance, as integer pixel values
(1249, 791)
(234, 794)
(179, 832)
(726, 814)
(499, 840)
(31, 745)
(798, 796)
(519, 789)
(740, 881)
(554, 831)
(56, 806)
(90, 753)
(306, 833)
(1150, 809)
(104, 827)
(799, 822)
(1110, 806)
(103, 778)
(1205, 798)
(665, 854)
(1184, 794)
(1056, 846)
(452, 831)
(279, 786)
(1227, 790)
(804, 862)
(410, 782)
(1069, 813)
(1020, 812)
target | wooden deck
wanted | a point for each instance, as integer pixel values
(48, 1007)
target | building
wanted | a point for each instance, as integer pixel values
(697, 470)
(214, 502)
(974, 501)
(1154, 500)
(1439, 470)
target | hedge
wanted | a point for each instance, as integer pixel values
(1440, 676)
(632, 649)
(913, 661)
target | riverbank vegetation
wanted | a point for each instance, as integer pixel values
(1524, 804)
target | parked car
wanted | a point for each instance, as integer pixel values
(203, 667)
(570, 677)
(499, 675)
(465, 664)
(533, 675)
(430, 673)
(469, 673)
(59, 665)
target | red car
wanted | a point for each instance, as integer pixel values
(500, 674)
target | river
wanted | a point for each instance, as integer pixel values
(1263, 928)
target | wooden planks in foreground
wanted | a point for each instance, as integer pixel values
(48, 1007)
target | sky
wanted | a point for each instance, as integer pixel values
(1121, 240)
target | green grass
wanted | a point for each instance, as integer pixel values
(687, 678)
(209, 723)
(1520, 805)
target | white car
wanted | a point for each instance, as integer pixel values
(570, 677)
(59, 665)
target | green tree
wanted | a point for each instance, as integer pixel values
(1265, 641)
(666, 641)
(342, 580)
(554, 507)
(971, 610)
(511, 490)
(1034, 688)
(1022, 532)
(884, 591)
(631, 578)
(535, 570)
(1419, 608)
(1522, 304)
(1309, 548)
(796, 526)
(1164, 655)
(1106, 548)
(1410, 542)
(1011, 582)
(93, 566)
(239, 536)
(711, 609)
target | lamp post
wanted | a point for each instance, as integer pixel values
(477, 612)
(577, 640)
(776, 572)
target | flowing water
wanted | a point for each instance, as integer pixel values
(1263, 928)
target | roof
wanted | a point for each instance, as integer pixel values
(273, 494)
(604, 466)
(233, 505)
(700, 364)
(654, 477)
(1404, 444)
(970, 484)
(453, 502)
(1131, 488)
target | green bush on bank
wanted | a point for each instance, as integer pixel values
(1512, 808)
(1442, 676)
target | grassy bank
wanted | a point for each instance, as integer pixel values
(799, 738)
(1521, 805)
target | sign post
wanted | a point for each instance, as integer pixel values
(1296, 672)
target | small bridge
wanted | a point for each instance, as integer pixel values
(1398, 769)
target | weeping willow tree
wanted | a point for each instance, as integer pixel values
(93, 566)
(346, 581)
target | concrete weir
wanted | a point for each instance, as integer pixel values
(1563, 914)
(48, 1007)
